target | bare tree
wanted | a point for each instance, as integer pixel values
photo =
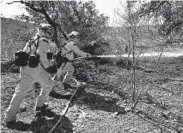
(66, 16)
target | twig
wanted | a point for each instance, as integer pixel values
(158, 60)
(175, 79)
(143, 69)
(156, 122)
(164, 88)
(138, 97)
(14, 2)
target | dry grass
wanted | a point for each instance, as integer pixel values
(108, 96)
(103, 108)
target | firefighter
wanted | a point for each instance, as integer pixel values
(66, 69)
(38, 70)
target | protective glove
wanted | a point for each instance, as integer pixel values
(51, 69)
(49, 55)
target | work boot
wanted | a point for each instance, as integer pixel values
(44, 107)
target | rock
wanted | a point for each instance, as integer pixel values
(127, 109)
(116, 113)
(133, 130)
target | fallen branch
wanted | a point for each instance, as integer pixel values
(151, 100)
(157, 122)
(144, 69)
(165, 89)
(176, 79)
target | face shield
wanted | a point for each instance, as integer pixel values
(46, 29)
(74, 35)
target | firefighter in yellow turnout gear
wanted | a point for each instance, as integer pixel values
(29, 75)
(66, 69)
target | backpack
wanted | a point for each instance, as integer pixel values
(27, 56)
(61, 58)
(33, 59)
(21, 58)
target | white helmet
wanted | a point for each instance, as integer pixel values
(46, 27)
(74, 34)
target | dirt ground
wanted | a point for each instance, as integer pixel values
(103, 110)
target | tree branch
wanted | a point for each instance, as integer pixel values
(76, 12)
(14, 2)
(174, 25)
(43, 11)
(48, 18)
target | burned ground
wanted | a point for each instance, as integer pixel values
(105, 106)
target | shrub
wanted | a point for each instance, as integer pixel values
(9, 66)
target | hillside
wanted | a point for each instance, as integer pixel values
(14, 35)
(147, 39)
(104, 107)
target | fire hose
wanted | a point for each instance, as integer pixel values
(64, 112)
(95, 57)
